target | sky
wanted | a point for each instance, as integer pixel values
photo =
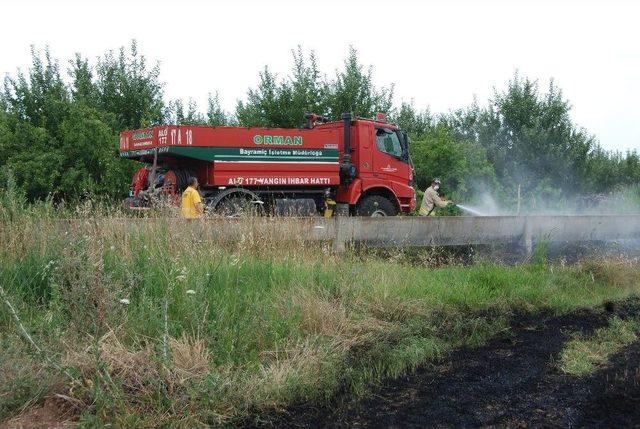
(438, 54)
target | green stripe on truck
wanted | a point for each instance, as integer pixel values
(212, 154)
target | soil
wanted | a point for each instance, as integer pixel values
(511, 382)
(52, 414)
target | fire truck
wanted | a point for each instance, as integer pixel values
(361, 166)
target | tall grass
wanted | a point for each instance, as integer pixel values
(160, 323)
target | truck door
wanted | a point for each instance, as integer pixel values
(391, 158)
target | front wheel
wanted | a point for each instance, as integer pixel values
(375, 206)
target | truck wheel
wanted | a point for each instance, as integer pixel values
(132, 202)
(239, 206)
(375, 206)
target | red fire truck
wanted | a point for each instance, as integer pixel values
(363, 165)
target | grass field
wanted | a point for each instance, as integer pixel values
(152, 325)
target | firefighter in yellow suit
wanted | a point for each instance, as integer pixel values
(432, 200)
(192, 207)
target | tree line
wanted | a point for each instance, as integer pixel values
(59, 127)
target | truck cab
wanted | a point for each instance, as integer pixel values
(384, 169)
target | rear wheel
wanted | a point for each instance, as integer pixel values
(134, 202)
(239, 206)
(375, 206)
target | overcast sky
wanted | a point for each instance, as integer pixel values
(438, 53)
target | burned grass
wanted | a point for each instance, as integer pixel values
(513, 381)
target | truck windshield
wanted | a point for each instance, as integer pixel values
(406, 143)
(393, 143)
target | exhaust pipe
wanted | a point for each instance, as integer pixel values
(346, 117)
(347, 169)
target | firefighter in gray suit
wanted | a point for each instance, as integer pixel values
(432, 200)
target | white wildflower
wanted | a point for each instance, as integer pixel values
(191, 292)
(124, 301)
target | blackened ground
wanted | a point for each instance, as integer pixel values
(510, 382)
(506, 254)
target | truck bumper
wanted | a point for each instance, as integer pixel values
(407, 205)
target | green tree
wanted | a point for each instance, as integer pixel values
(283, 103)
(529, 137)
(216, 115)
(176, 113)
(33, 156)
(62, 140)
(39, 98)
(353, 90)
(631, 169)
(266, 105)
(83, 87)
(462, 166)
(129, 89)
(413, 122)
(308, 91)
(90, 160)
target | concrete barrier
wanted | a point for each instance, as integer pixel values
(443, 231)
(401, 230)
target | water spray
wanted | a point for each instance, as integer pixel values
(470, 210)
